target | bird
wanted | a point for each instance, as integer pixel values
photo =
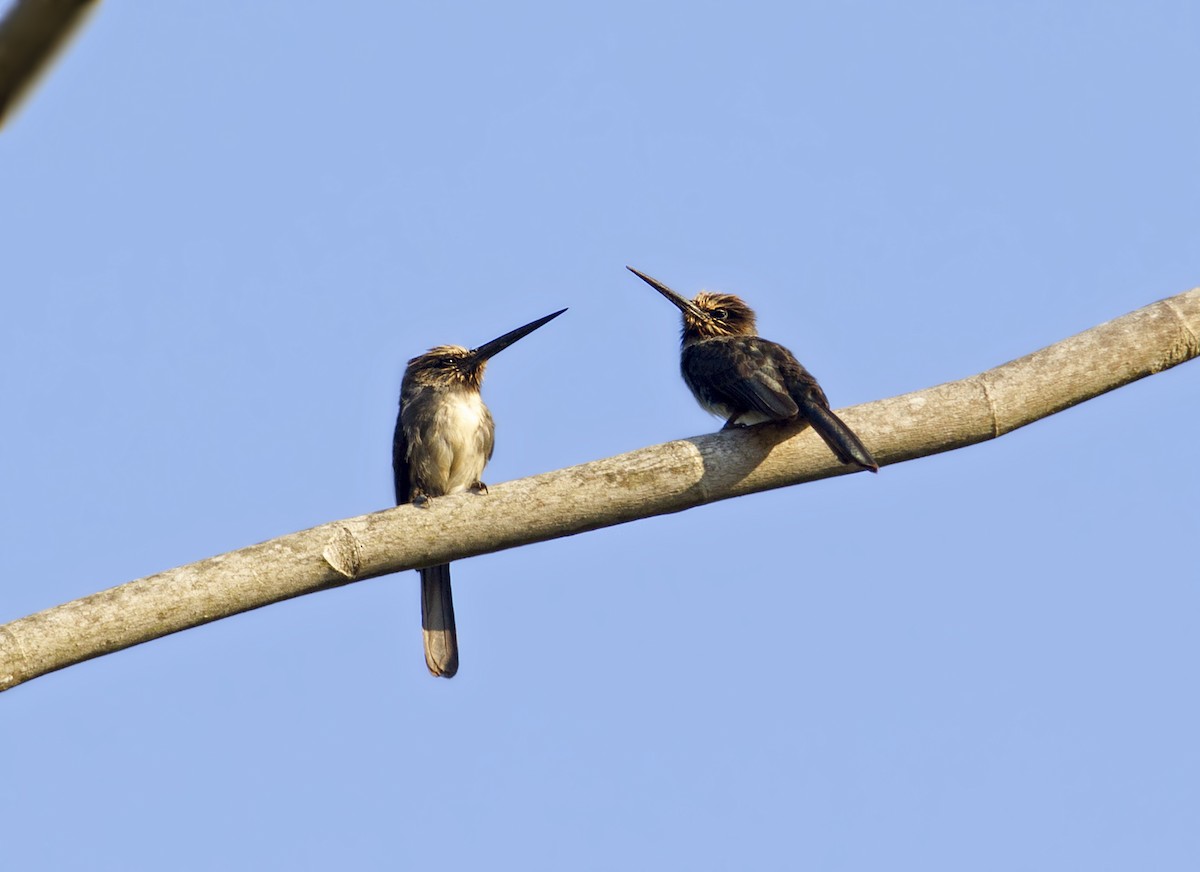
(737, 375)
(444, 437)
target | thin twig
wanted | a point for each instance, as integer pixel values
(31, 34)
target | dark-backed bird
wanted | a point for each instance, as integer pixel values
(444, 437)
(745, 379)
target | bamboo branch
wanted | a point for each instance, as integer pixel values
(643, 483)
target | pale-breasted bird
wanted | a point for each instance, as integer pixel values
(745, 379)
(444, 437)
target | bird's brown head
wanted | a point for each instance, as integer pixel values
(710, 315)
(447, 366)
(455, 366)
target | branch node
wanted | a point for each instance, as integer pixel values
(11, 677)
(991, 405)
(1191, 342)
(344, 552)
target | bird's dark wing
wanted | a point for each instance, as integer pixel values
(800, 383)
(400, 470)
(741, 372)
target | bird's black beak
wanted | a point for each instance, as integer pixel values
(483, 352)
(685, 305)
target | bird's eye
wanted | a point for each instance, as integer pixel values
(720, 314)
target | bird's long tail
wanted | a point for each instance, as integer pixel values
(840, 438)
(437, 621)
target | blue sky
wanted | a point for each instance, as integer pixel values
(227, 226)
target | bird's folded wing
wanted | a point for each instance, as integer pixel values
(744, 376)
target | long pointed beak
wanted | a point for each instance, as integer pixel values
(685, 305)
(483, 352)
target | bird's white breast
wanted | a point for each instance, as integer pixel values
(462, 431)
(462, 415)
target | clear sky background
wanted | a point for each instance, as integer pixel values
(226, 226)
